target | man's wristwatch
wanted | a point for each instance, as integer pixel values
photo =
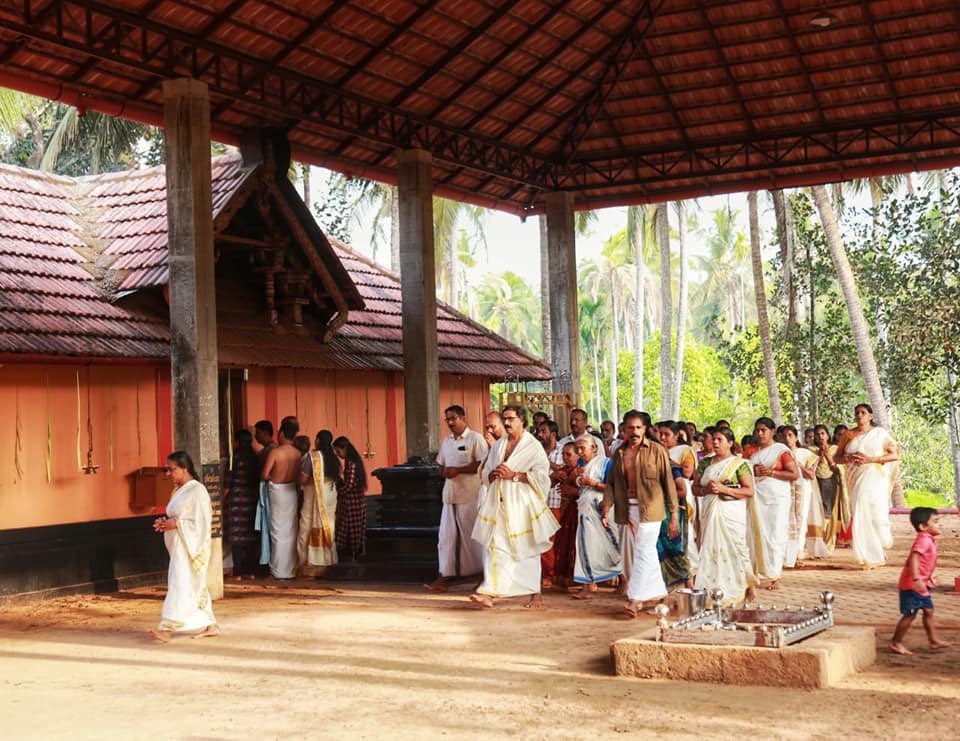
(516, 478)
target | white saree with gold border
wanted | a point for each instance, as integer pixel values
(514, 524)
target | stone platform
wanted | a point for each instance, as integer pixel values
(820, 661)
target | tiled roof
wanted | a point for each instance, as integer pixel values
(132, 209)
(373, 336)
(70, 246)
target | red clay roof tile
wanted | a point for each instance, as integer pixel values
(49, 257)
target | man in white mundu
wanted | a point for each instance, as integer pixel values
(459, 459)
(281, 471)
(774, 471)
(640, 488)
(514, 524)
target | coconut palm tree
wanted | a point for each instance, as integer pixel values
(666, 302)
(610, 279)
(508, 306)
(677, 383)
(848, 285)
(785, 234)
(590, 323)
(639, 238)
(720, 302)
(760, 292)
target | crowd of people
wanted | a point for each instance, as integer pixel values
(290, 505)
(531, 511)
(651, 507)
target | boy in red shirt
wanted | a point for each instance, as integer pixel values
(916, 579)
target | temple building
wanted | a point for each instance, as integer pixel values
(304, 326)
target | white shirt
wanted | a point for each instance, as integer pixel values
(467, 450)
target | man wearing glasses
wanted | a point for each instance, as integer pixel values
(514, 524)
(459, 458)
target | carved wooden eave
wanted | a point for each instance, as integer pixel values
(291, 236)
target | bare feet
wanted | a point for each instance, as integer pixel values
(939, 644)
(582, 594)
(161, 636)
(481, 600)
(632, 608)
(773, 586)
(751, 595)
(535, 602)
(209, 632)
(437, 585)
(899, 648)
(249, 577)
(236, 578)
(546, 583)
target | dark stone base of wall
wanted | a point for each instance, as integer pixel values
(87, 557)
(398, 554)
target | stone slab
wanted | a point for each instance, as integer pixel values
(820, 661)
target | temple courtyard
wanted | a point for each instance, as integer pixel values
(312, 659)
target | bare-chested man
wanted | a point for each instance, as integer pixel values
(281, 471)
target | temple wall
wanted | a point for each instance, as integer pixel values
(46, 431)
(129, 408)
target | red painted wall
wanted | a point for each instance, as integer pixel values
(131, 414)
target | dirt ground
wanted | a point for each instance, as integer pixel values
(317, 660)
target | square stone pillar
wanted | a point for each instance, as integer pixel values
(562, 266)
(418, 287)
(193, 307)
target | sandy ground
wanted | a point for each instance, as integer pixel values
(318, 660)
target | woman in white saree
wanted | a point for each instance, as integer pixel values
(316, 538)
(724, 485)
(805, 531)
(774, 471)
(186, 533)
(598, 547)
(868, 453)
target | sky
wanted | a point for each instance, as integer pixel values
(514, 245)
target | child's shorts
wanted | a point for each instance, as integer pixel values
(911, 602)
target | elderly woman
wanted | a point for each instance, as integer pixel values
(867, 450)
(186, 534)
(598, 548)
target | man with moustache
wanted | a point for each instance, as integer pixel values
(640, 488)
(514, 524)
(460, 456)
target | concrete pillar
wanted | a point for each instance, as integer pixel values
(193, 310)
(421, 378)
(562, 265)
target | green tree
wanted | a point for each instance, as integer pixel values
(609, 281)
(763, 321)
(508, 306)
(720, 303)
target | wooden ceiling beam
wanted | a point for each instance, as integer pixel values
(375, 51)
(495, 15)
(486, 66)
(590, 107)
(285, 52)
(603, 9)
